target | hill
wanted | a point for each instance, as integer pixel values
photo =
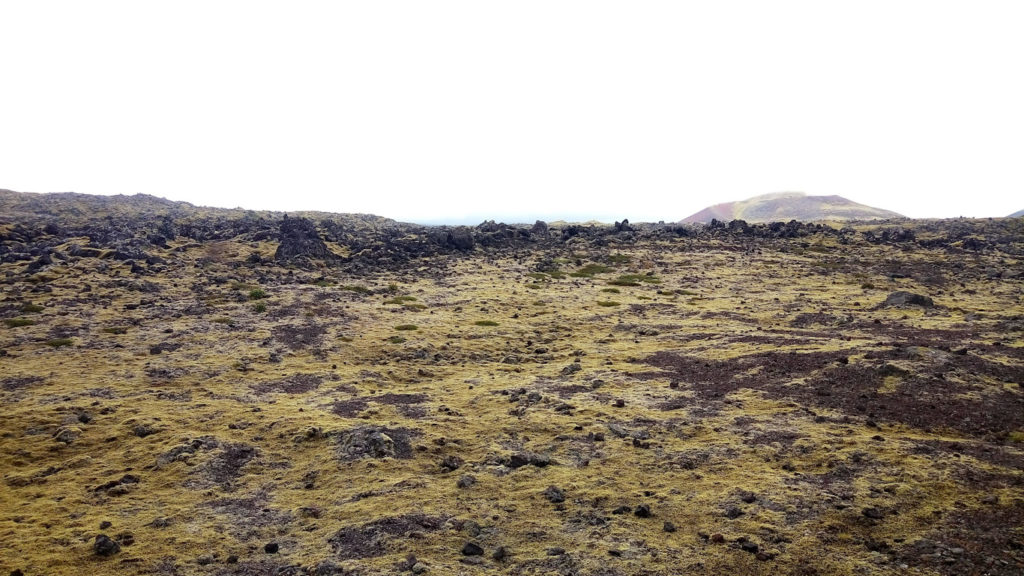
(786, 206)
(1017, 214)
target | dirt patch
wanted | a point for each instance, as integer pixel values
(980, 541)
(249, 514)
(349, 408)
(373, 539)
(12, 384)
(297, 384)
(299, 336)
(225, 466)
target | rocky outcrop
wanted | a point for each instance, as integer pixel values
(299, 239)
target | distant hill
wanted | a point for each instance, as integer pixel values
(786, 206)
(1016, 214)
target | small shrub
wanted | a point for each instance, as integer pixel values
(32, 308)
(590, 270)
(396, 339)
(534, 286)
(1016, 437)
(635, 280)
(407, 327)
(357, 289)
(58, 342)
(686, 293)
(392, 288)
(259, 308)
(538, 275)
(608, 303)
(485, 323)
(867, 286)
(115, 330)
(324, 283)
(619, 258)
(257, 294)
(18, 322)
(611, 290)
(400, 300)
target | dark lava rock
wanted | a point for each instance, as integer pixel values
(717, 538)
(554, 494)
(271, 548)
(299, 238)
(669, 527)
(500, 553)
(465, 481)
(451, 463)
(873, 513)
(903, 298)
(104, 546)
(642, 511)
(733, 511)
(748, 497)
(472, 549)
(748, 546)
(622, 510)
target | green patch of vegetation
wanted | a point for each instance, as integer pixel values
(485, 323)
(356, 288)
(867, 286)
(257, 294)
(259, 308)
(324, 283)
(686, 292)
(396, 339)
(18, 322)
(611, 290)
(608, 303)
(346, 338)
(400, 300)
(590, 270)
(58, 342)
(30, 308)
(241, 286)
(115, 330)
(1016, 437)
(534, 286)
(392, 288)
(407, 327)
(556, 274)
(644, 298)
(635, 280)
(538, 275)
(620, 258)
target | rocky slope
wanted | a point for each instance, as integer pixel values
(785, 206)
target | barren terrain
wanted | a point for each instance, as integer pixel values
(608, 401)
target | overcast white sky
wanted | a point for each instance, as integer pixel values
(427, 111)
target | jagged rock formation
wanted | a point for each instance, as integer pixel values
(299, 239)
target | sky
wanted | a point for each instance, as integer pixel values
(448, 111)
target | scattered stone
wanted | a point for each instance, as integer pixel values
(623, 510)
(764, 556)
(555, 551)
(465, 481)
(748, 497)
(642, 511)
(232, 559)
(732, 512)
(419, 568)
(271, 548)
(105, 524)
(748, 546)
(571, 369)
(105, 546)
(669, 527)
(472, 549)
(717, 538)
(500, 553)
